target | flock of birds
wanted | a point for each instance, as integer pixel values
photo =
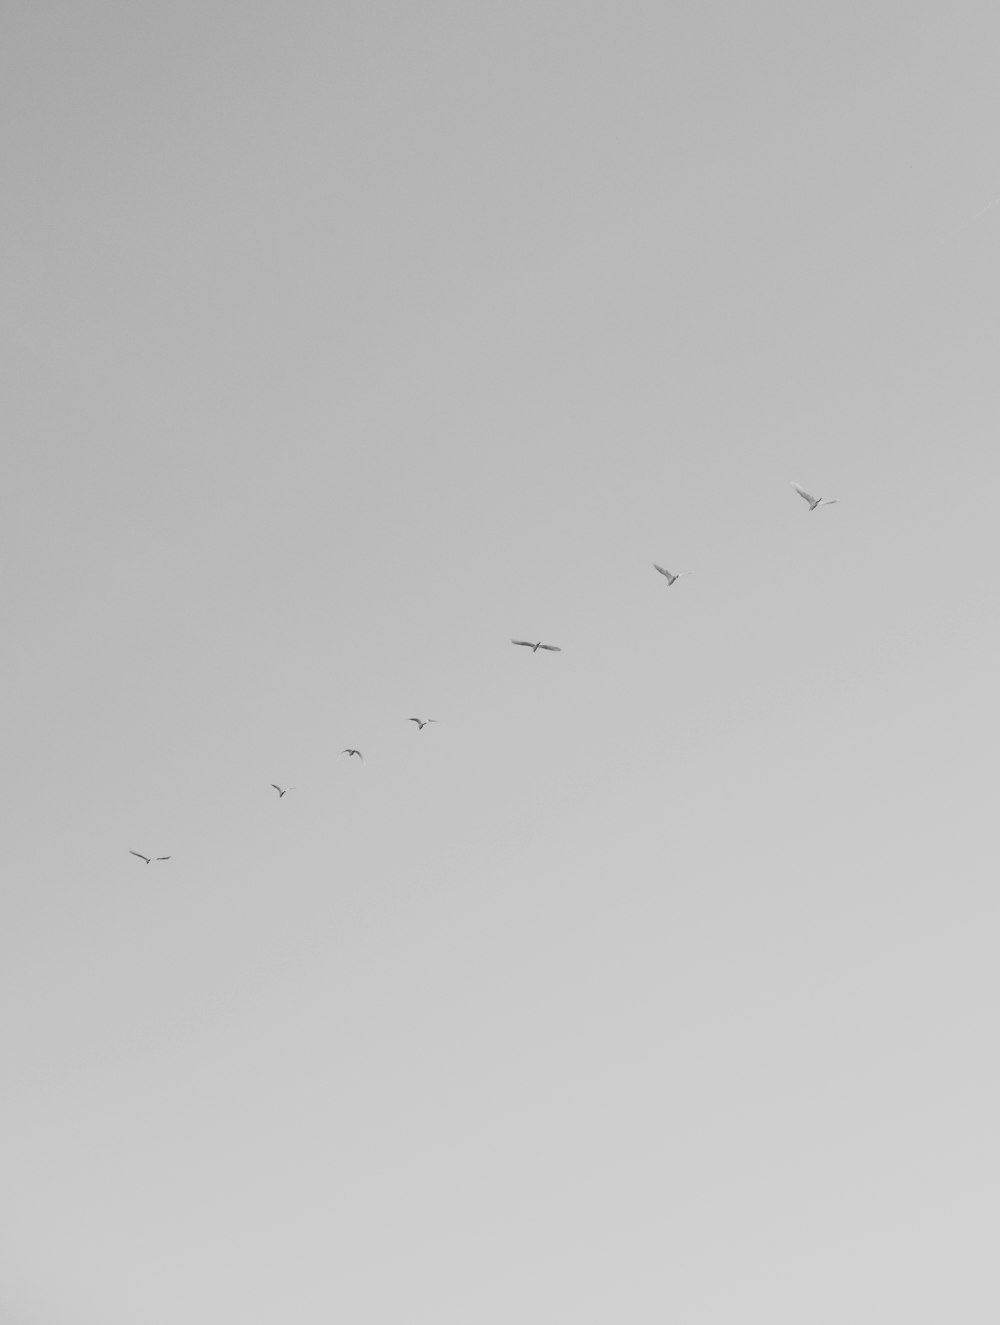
(534, 645)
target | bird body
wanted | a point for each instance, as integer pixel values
(814, 501)
(350, 752)
(147, 859)
(528, 644)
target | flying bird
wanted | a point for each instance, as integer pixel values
(350, 752)
(671, 579)
(421, 722)
(814, 501)
(281, 790)
(147, 859)
(526, 643)
(963, 225)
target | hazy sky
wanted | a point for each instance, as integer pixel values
(657, 981)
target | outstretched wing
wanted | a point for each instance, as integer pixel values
(552, 648)
(526, 642)
(418, 721)
(162, 857)
(139, 854)
(806, 496)
(829, 501)
(276, 787)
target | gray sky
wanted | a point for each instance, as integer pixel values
(658, 980)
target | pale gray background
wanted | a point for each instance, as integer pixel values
(658, 982)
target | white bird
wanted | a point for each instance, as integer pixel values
(671, 579)
(552, 648)
(350, 752)
(147, 859)
(281, 790)
(421, 722)
(814, 501)
(963, 225)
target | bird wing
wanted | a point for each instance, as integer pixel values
(418, 721)
(526, 642)
(802, 493)
(829, 501)
(276, 787)
(139, 854)
(662, 571)
(162, 857)
(552, 648)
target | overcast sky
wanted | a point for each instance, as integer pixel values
(657, 981)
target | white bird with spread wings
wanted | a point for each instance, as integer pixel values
(671, 578)
(529, 644)
(814, 501)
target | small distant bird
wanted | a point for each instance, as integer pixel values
(421, 722)
(671, 579)
(282, 791)
(147, 859)
(962, 225)
(814, 501)
(350, 752)
(527, 644)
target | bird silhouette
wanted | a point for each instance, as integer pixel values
(421, 722)
(281, 790)
(350, 752)
(814, 501)
(671, 579)
(527, 644)
(147, 859)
